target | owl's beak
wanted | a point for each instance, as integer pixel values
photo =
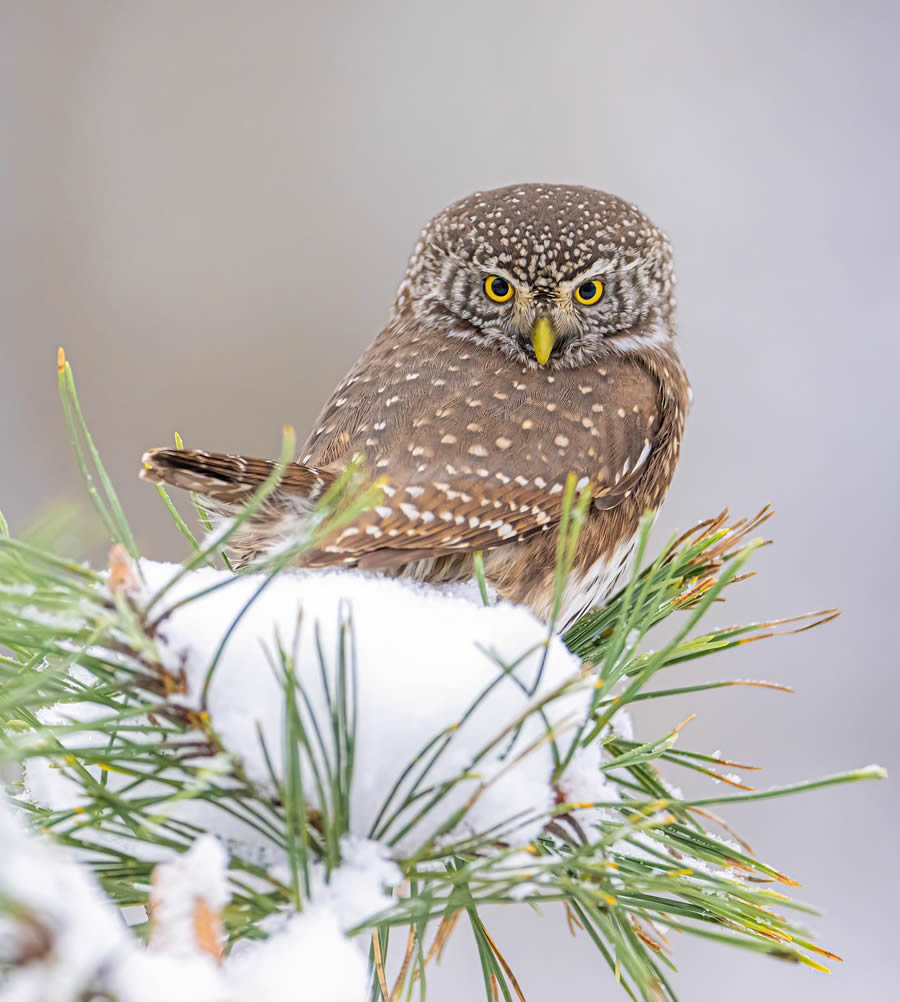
(543, 337)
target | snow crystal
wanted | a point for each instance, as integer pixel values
(42, 617)
(47, 783)
(197, 875)
(355, 891)
(622, 726)
(583, 782)
(525, 872)
(310, 961)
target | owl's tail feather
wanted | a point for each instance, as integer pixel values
(230, 480)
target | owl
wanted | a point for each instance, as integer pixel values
(532, 338)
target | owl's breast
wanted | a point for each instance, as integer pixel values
(444, 408)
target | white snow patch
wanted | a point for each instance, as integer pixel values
(583, 782)
(622, 726)
(142, 975)
(80, 947)
(195, 875)
(64, 901)
(422, 657)
(355, 891)
(310, 961)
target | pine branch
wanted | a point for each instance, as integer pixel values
(94, 686)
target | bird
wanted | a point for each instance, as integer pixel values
(532, 338)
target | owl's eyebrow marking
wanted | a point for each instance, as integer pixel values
(604, 266)
(636, 263)
(493, 269)
(601, 266)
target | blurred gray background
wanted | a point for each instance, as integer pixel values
(210, 204)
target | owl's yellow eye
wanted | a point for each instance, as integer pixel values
(589, 293)
(498, 289)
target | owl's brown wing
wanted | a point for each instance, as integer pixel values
(474, 470)
(416, 521)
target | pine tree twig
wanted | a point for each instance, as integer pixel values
(92, 686)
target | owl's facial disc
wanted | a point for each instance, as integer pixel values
(549, 275)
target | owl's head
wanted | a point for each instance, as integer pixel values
(551, 275)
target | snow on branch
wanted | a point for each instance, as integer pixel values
(281, 768)
(412, 661)
(419, 658)
(63, 941)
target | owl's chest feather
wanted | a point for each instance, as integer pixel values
(439, 408)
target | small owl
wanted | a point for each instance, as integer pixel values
(532, 337)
